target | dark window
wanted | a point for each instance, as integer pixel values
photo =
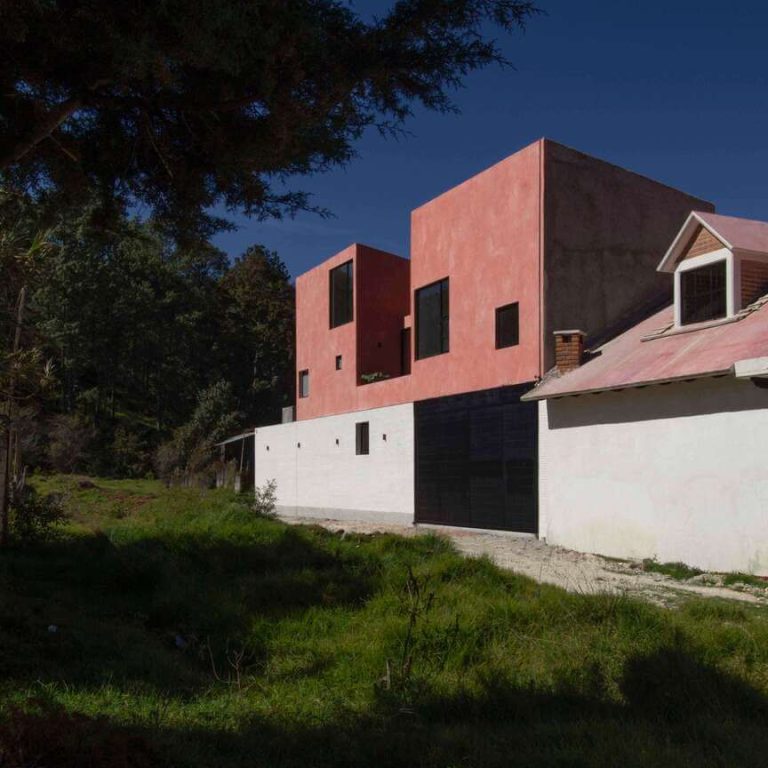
(405, 351)
(303, 383)
(338, 362)
(341, 294)
(361, 438)
(507, 326)
(432, 319)
(702, 293)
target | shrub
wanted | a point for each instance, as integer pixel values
(190, 450)
(129, 455)
(70, 438)
(370, 378)
(33, 517)
(264, 499)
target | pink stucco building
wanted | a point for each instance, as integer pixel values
(563, 236)
(410, 371)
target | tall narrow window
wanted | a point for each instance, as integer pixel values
(338, 362)
(702, 293)
(341, 294)
(507, 326)
(432, 319)
(405, 351)
(361, 438)
(303, 383)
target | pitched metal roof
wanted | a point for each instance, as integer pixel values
(735, 233)
(654, 352)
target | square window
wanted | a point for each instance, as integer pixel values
(702, 294)
(341, 294)
(361, 438)
(507, 326)
(338, 362)
(432, 320)
(303, 383)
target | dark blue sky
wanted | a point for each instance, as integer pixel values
(674, 90)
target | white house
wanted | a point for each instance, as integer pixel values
(656, 443)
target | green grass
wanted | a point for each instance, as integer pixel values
(734, 579)
(288, 633)
(683, 572)
(679, 571)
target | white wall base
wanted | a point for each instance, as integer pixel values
(676, 472)
(347, 515)
(315, 472)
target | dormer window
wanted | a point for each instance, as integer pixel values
(720, 267)
(703, 293)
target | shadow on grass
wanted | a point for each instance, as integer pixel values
(677, 712)
(161, 611)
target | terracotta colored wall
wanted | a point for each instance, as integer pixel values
(383, 292)
(317, 345)
(574, 240)
(484, 236)
(605, 231)
(381, 300)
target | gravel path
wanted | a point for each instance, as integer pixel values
(574, 571)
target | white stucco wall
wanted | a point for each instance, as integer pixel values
(323, 478)
(677, 472)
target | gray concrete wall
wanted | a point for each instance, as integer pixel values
(605, 231)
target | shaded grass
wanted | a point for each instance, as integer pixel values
(217, 637)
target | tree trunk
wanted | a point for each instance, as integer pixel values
(5, 497)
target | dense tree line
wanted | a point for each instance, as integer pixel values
(140, 331)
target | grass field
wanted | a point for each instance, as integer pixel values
(175, 627)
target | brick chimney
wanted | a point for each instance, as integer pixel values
(569, 350)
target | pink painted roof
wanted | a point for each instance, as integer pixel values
(628, 361)
(745, 234)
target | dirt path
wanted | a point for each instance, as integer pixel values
(574, 571)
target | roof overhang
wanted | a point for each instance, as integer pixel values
(693, 221)
(234, 439)
(533, 395)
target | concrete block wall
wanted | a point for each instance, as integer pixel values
(675, 472)
(318, 473)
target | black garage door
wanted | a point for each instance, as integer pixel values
(476, 460)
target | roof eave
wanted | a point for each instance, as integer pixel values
(533, 396)
(234, 439)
